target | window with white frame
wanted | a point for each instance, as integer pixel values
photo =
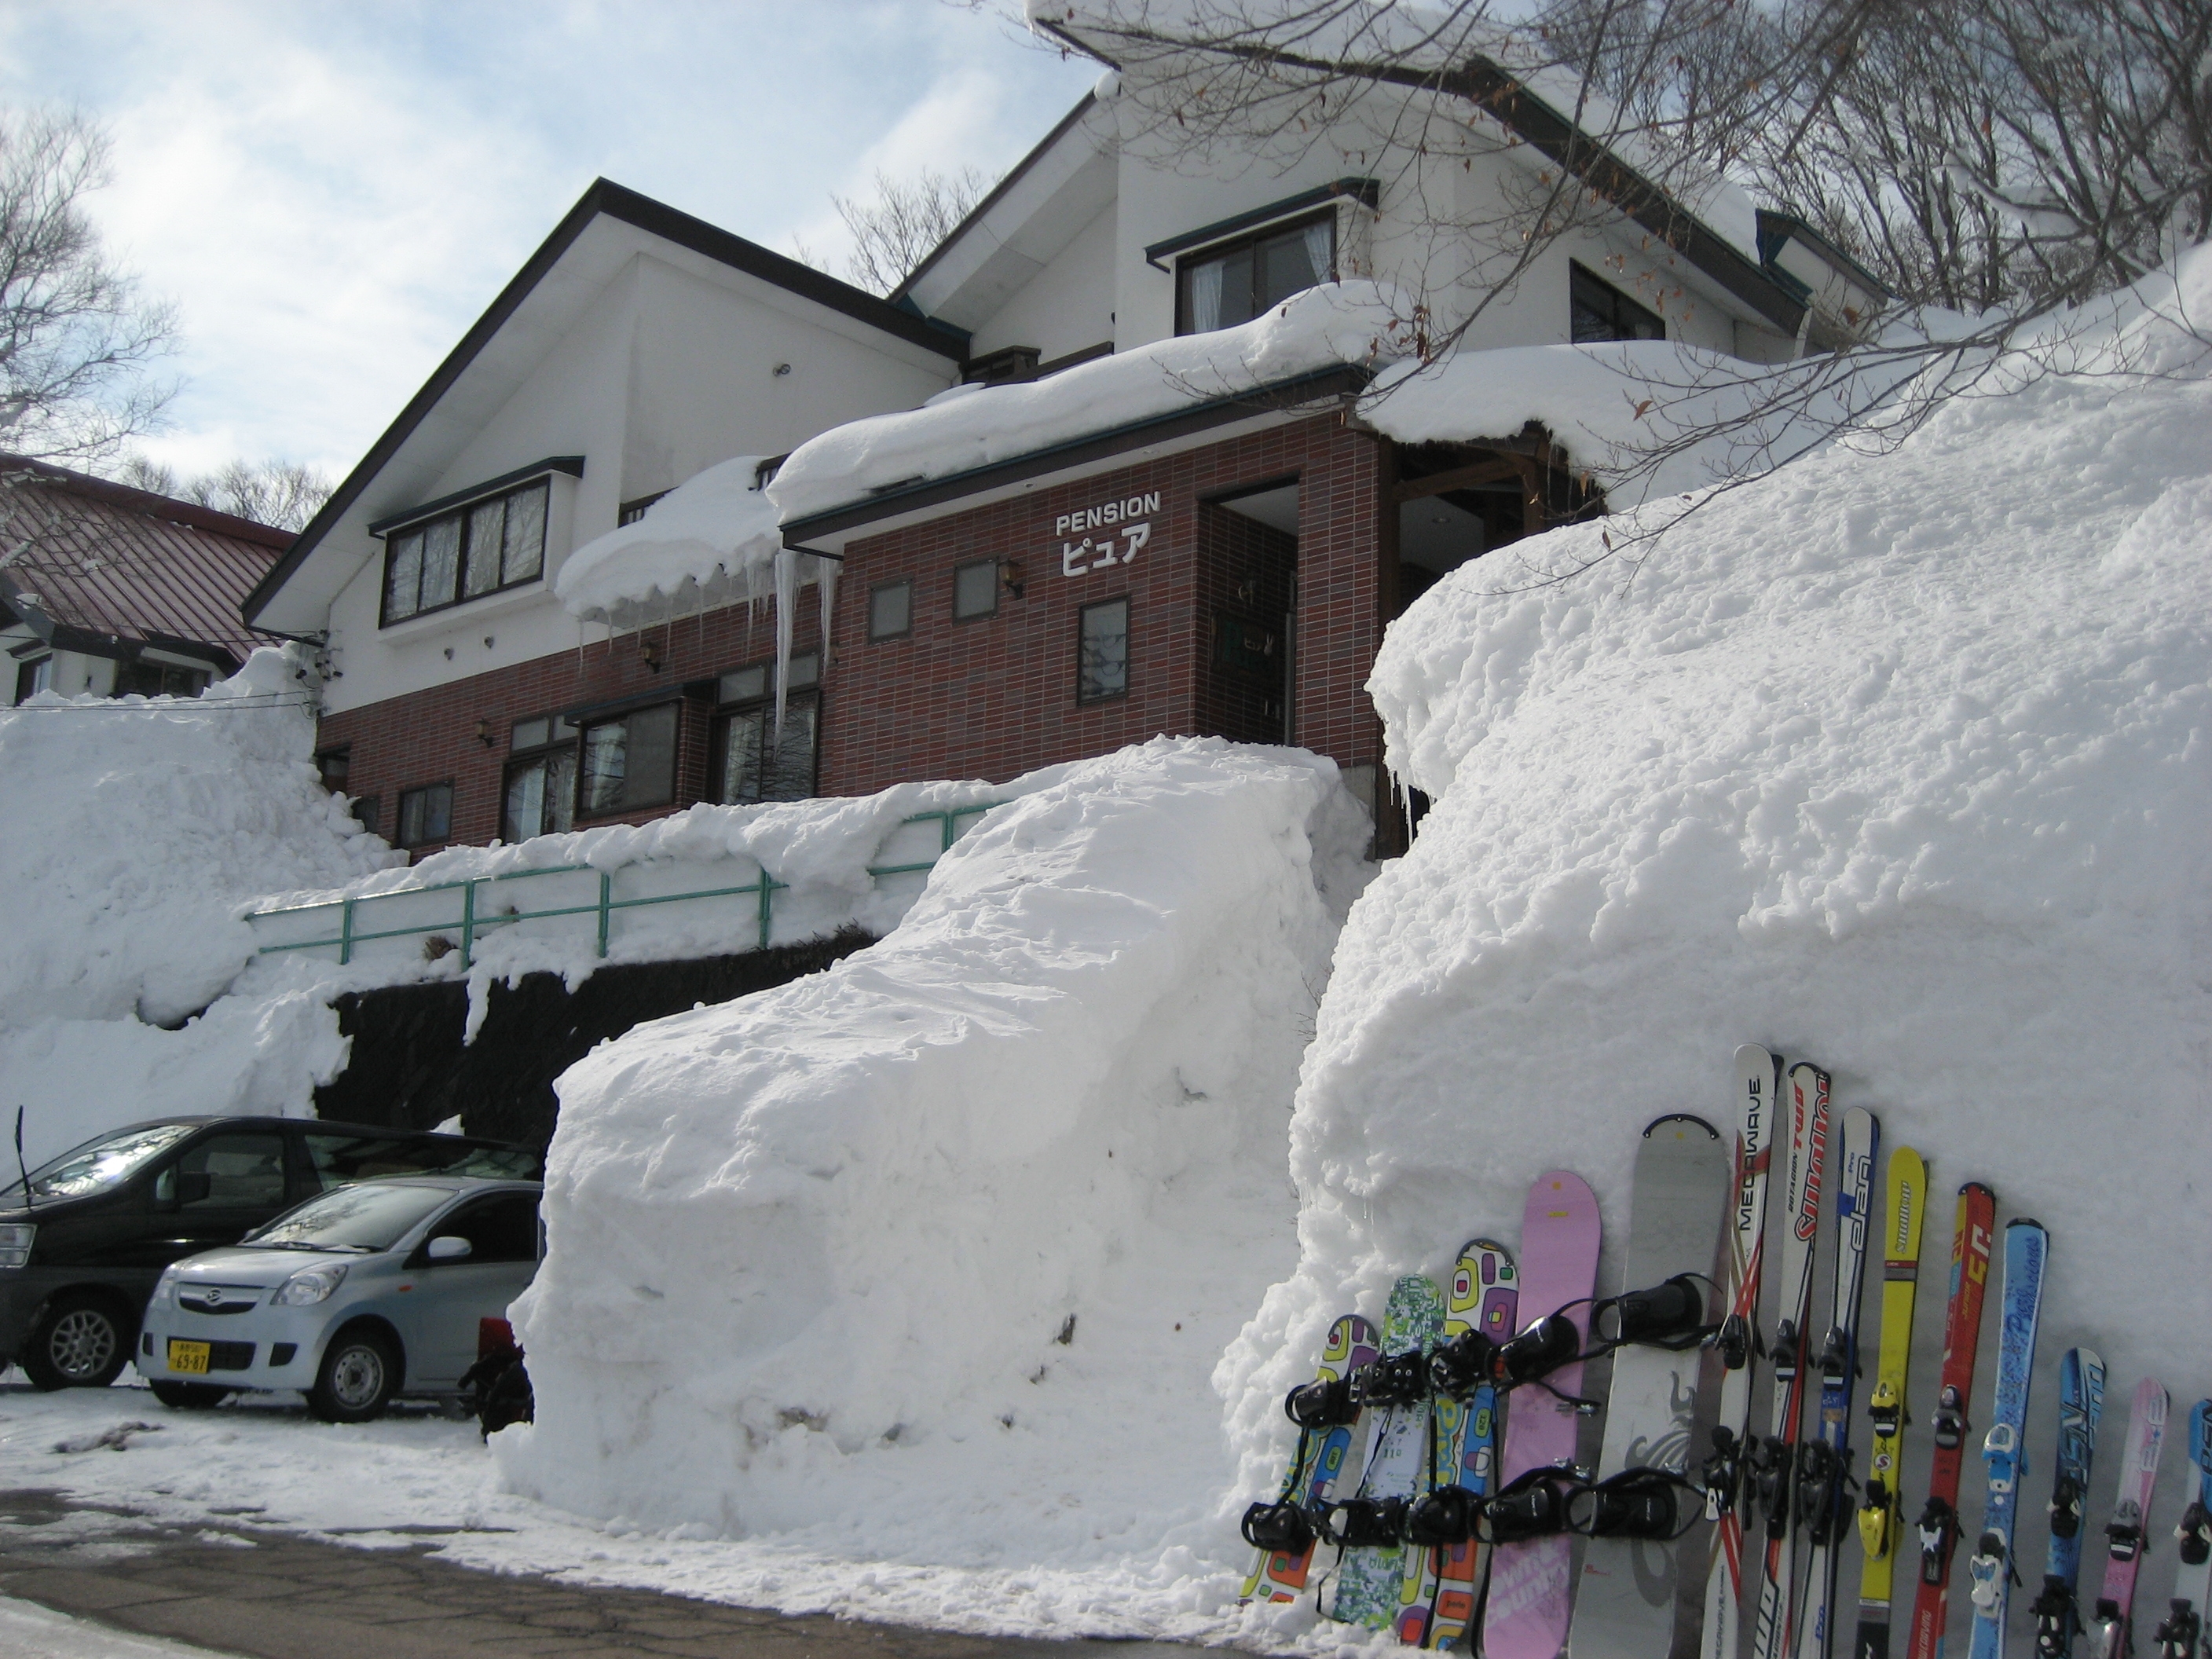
(489, 544)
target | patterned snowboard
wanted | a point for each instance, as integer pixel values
(1532, 1582)
(1367, 1584)
(1436, 1602)
(1280, 1575)
(1626, 1605)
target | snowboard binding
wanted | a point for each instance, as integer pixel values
(1551, 1342)
(1359, 1523)
(1443, 1518)
(1394, 1380)
(1280, 1528)
(1669, 1315)
(1531, 1505)
(1638, 1503)
(1330, 1405)
(1462, 1365)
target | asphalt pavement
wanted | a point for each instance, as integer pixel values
(241, 1588)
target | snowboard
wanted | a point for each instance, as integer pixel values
(1630, 1590)
(1485, 1296)
(1397, 1465)
(1532, 1582)
(1318, 1463)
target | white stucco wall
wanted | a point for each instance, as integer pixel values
(664, 373)
(1067, 306)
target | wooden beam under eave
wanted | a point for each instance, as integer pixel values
(1463, 477)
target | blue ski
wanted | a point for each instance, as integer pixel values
(2182, 1635)
(2081, 1403)
(2027, 1247)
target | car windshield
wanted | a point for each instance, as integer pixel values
(369, 1217)
(106, 1162)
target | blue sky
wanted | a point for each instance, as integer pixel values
(330, 193)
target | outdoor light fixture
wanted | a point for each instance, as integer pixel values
(651, 652)
(1010, 577)
(483, 733)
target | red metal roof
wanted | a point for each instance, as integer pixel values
(126, 565)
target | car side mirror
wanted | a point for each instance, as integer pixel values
(449, 1248)
(178, 1187)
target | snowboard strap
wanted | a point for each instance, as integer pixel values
(1394, 1380)
(1319, 1405)
(1638, 1503)
(1670, 1316)
(1356, 1524)
(1533, 1504)
(1443, 1517)
(1462, 1365)
(1280, 1528)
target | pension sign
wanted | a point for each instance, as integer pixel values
(1113, 532)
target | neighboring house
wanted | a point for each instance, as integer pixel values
(112, 591)
(638, 346)
(1110, 531)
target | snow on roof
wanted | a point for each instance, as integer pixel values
(710, 541)
(1624, 412)
(956, 432)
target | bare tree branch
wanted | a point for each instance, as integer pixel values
(905, 221)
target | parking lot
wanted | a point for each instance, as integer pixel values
(256, 1529)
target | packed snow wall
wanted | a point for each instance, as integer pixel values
(1897, 763)
(932, 1255)
(131, 832)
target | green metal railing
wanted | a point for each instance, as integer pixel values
(475, 919)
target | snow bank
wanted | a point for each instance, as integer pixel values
(893, 1260)
(1897, 764)
(130, 832)
(1353, 322)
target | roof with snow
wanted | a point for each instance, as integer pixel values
(97, 566)
(607, 225)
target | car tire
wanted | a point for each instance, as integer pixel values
(81, 1341)
(190, 1396)
(359, 1374)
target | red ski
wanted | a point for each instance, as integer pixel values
(1962, 1331)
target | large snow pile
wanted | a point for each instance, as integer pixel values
(931, 1255)
(130, 832)
(1900, 764)
(975, 426)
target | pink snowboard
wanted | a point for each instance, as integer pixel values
(1531, 1583)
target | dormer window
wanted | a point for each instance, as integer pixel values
(492, 543)
(1232, 282)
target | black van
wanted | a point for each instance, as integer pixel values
(80, 1250)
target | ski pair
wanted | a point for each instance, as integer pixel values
(2128, 1532)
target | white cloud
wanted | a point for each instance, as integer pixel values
(332, 193)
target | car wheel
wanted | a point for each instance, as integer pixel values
(359, 1376)
(190, 1396)
(80, 1343)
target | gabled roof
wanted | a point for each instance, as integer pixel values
(99, 566)
(604, 201)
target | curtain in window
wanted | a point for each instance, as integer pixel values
(441, 562)
(1206, 297)
(1320, 247)
(525, 535)
(480, 575)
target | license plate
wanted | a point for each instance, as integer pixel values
(189, 1356)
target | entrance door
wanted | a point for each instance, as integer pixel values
(1249, 576)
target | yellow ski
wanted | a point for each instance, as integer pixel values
(1881, 1520)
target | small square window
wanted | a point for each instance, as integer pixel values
(890, 610)
(1598, 311)
(976, 590)
(806, 671)
(528, 734)
(426, 815)
(1102, 660)
(34, 677)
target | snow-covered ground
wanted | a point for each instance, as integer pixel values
(31, 1632)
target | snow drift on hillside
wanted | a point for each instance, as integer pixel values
(132, 830)
(1899, 764)
(884, 1261)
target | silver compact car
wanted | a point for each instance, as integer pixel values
(363, 1293)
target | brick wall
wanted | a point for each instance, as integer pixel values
(996, 696)
(430, 736)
